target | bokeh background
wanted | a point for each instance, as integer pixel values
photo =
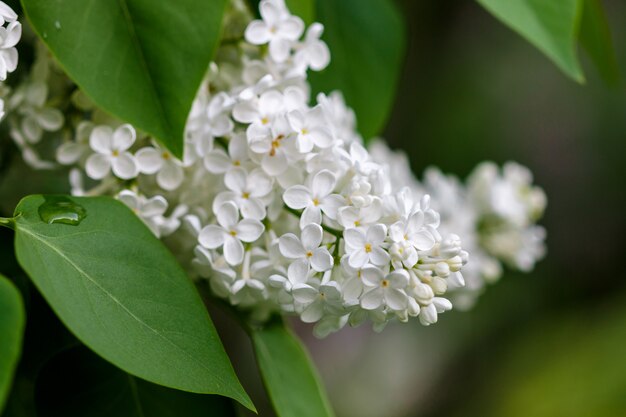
(551, 343)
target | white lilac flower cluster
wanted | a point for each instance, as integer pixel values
(494, 212)
(10, 34)
(276, 202)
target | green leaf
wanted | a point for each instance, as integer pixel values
(305, 9)
(551, 25)
(290, 377)
(141, 60)
(121, 292)
(12, 321)
(90, 387)
(367, 45)
(595, 37)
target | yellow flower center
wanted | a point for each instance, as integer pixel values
(368, 247)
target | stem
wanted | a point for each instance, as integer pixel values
(9, 223)
(335, 232)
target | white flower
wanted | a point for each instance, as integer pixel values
(218, 162)
(413, 232)
(112, 153)
(150, 210)
(388, 289)
(275, 145)
(278, 28)
(428, 314)
(260, 111)
(246, 191)
(305, 252)
(350, 217)
(317, 301)
(366, 247)
(168, 169)
(311, 128)
(9, 37)
(230, 233)
(71, 152)
(6, 14)
(30, 101)
(313, 53)
(316, 199)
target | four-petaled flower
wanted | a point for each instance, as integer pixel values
(278, 28)
(366, 247)
(230, 233)
(387, 289)
(315, 199)
(112, 154)
(306, 253)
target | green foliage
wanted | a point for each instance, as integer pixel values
(552, 26)
(121, 292)
(91, 387)
(302, 8)
(289, 375)
(367, 43)
(12, 319)
(595, 37)
(140, 60)
(555, 27)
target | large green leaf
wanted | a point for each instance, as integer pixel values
(367, 44)
(76, 383)
(290, 377)
(12, 320)
(595, 37)
(121, 292)
(551, 25)
(141, 60)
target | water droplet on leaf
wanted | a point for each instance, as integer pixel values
(61, 210)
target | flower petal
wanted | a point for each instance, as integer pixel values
(124, 166)
(101, 139)
(257, 33)
(98, 166)
(227, 215)
(372, 299)
(249, 230)
(124, 137)
(211, 236)
(149, 160)
(298, 271)
(297, 197)
(321, 260)
(233, 250)
(396, 299)
(290, 246)
(170, 176)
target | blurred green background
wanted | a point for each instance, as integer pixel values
(550, 343)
